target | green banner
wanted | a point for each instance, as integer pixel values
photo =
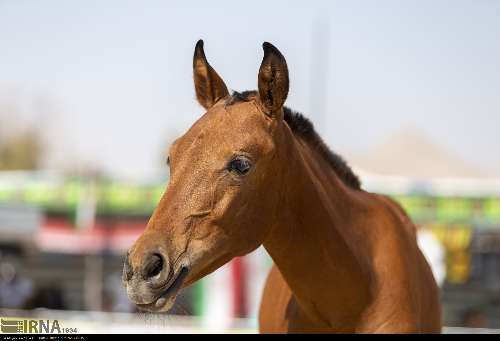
(57, 195)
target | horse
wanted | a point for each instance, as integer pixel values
(251, 172)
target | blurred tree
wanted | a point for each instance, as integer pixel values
(34, 135)
(20, 151)
(22, 124)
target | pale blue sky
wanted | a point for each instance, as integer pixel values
(120, 71)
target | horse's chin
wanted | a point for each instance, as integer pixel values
(161, 305)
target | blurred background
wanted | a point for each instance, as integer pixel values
(93, 92)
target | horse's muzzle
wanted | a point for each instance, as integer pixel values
(154, 284)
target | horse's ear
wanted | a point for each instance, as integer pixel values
(273, 79)
(208, 85)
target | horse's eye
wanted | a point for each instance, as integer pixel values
(240, 165)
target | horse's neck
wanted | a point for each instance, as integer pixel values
(311, 243)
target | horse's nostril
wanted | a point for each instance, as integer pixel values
(153, 266)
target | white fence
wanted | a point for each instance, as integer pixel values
(124, 323)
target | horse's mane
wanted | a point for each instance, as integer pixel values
(303, 128)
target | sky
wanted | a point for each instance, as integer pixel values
(115, 76)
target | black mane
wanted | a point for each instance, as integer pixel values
(303, 127)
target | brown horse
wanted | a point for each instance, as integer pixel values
(251, 172)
